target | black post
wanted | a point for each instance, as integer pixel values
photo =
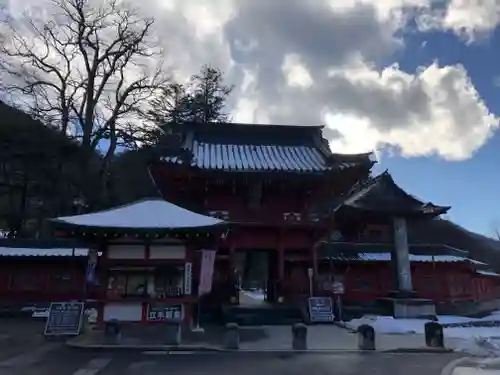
(366, 337)
(434, 336)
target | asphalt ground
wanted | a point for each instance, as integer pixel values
(58, 359)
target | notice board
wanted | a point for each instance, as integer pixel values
(321, 309)
(165, 312)
(65, 319)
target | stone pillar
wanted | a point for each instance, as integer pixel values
(402, 255)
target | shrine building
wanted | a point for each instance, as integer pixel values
(287, 219)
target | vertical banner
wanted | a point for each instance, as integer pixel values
(91, 265)
(188, 276)
(206, 271)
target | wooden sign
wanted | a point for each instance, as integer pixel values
(321, 309)
(65, 319)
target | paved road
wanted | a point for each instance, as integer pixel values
(56, 359)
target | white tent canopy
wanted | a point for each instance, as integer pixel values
(146, 214)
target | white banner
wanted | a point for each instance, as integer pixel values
(90, 276)
(188, 275)
(206, 271)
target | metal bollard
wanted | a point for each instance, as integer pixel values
(113, 331)
(173, 334)
(434, 336)
(232, 336)
(299, 336)
(366, 337)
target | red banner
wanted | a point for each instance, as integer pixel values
(206, 271)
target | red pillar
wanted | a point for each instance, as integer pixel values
(232, 279)
(281, 267)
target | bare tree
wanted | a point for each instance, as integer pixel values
(90, 70)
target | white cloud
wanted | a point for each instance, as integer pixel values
(317, 61)
(468, 18)
(296, 74)
(440, 112)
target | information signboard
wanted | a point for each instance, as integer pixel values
(65, 319)
(158, 312)
(338, 287)
(321, 310)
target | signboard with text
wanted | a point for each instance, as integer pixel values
(321, 309)
(165, 312)
(65, 319)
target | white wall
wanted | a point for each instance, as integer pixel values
(123, 311)
(126, 252)
(167, 252)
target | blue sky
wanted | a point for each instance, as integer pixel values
(471, 187)
(332, 62)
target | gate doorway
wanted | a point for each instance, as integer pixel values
(257, 272)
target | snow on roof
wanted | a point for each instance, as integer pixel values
(487, 273)
(146, 214)
(416, 258)
(33, 252)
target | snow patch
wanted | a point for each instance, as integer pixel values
(255, 295)
(389, 325)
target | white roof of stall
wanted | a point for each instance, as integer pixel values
(146, 214)
(35, 252)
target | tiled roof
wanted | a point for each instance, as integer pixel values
(256, 157)
(446, 232)
(240, 147)
(385, 257)
(33, 252)
(381, 194)
(331, 247)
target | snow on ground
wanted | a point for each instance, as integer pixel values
(477, 341)
(387, 324)
(260, 296)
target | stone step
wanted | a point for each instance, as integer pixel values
(249, 316)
